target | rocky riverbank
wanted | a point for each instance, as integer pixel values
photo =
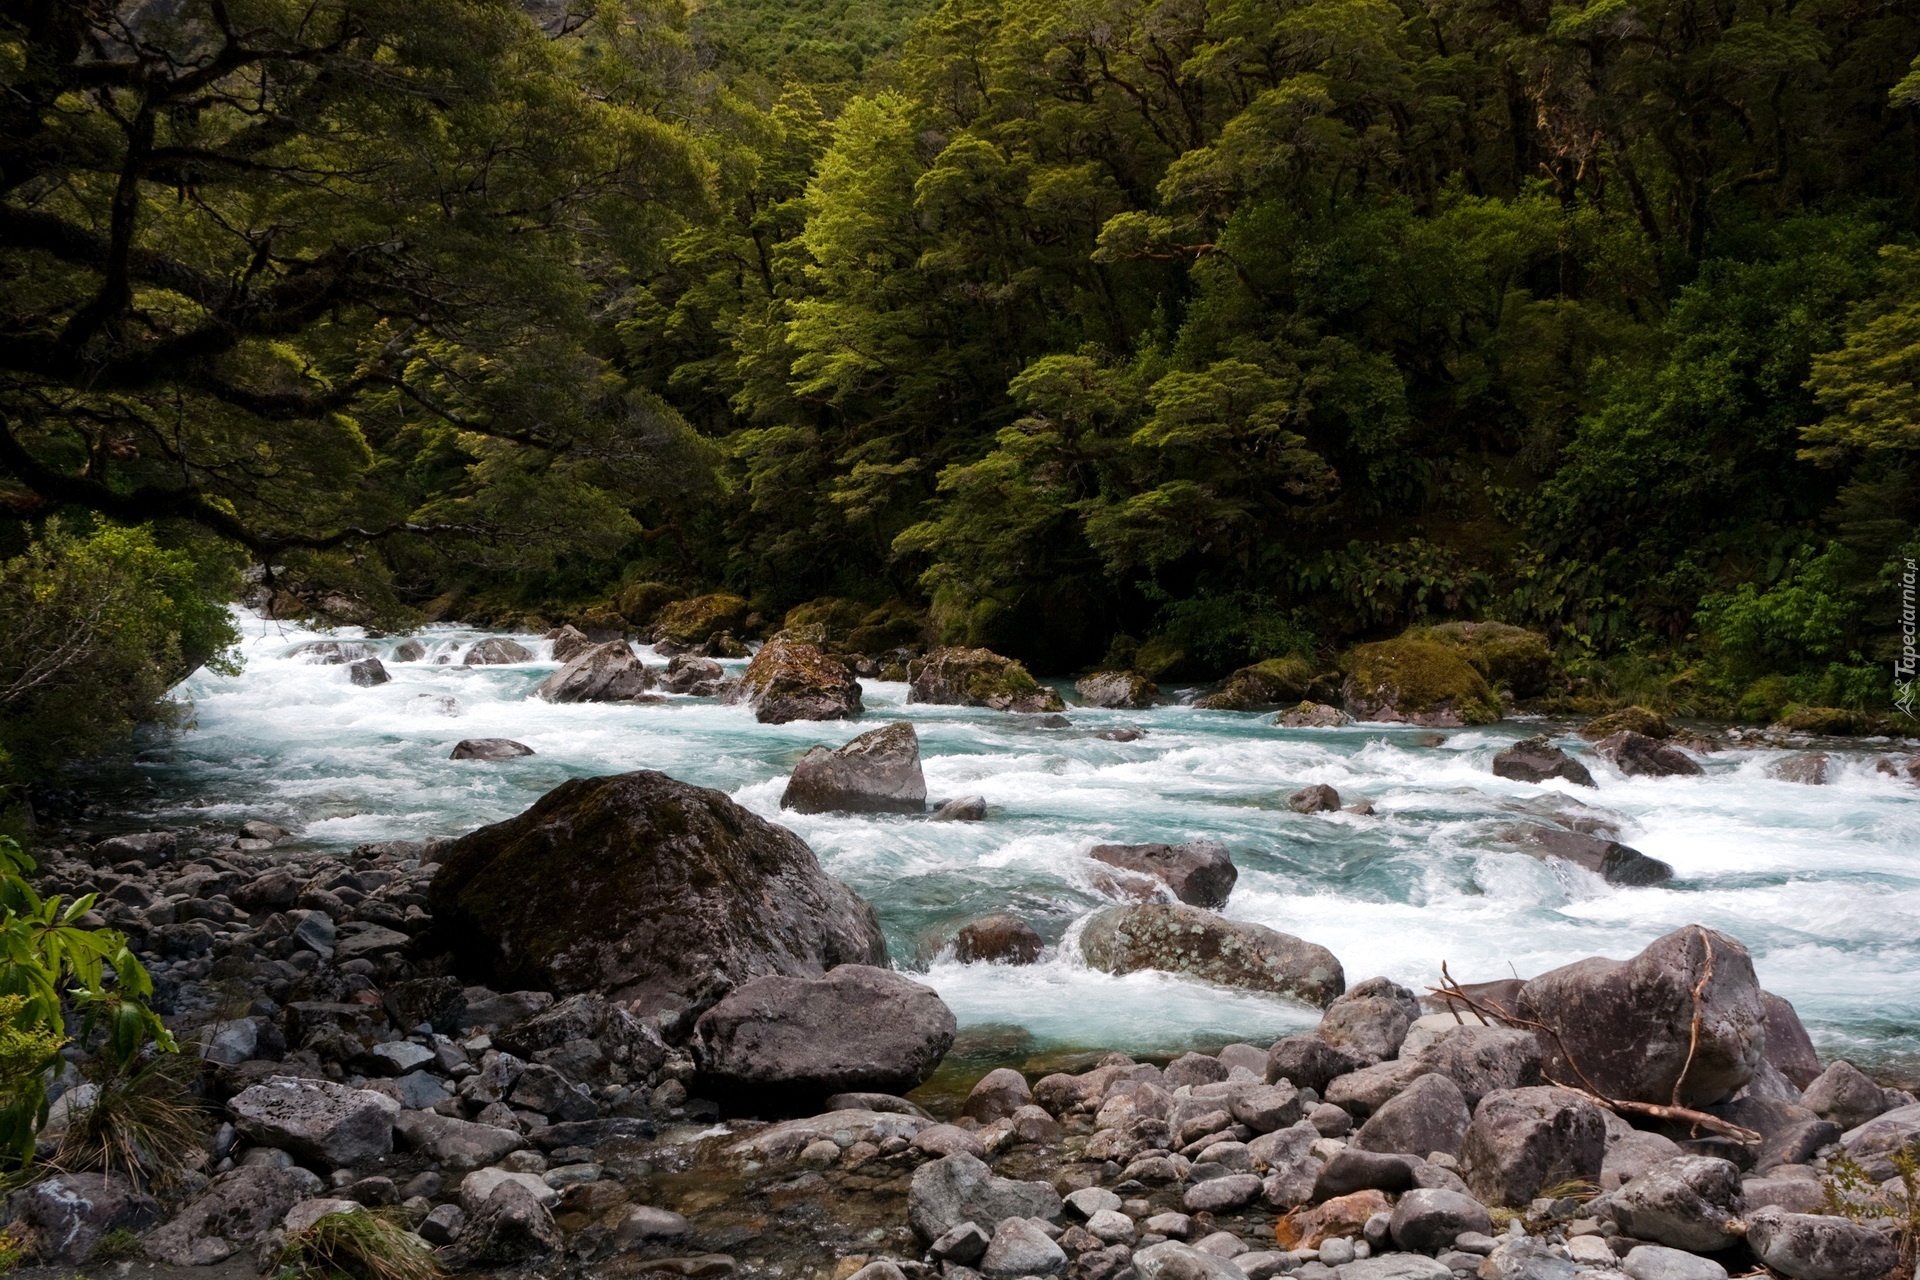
(638, 1030)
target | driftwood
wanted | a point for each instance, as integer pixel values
(1490, 1011)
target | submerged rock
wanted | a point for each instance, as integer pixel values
(1117, 689)
(1813, 769)
(1199, 872)
(1194, 942)
(978, 678)
(877, 772)
(607, 672)
(1417, 682)
(489, 749)
(787, 681)
(1639, 756)
(962, 809)
(857, 1028)
(1318, 798)
(1612, 861)
(997, 939)
(644, 888)
(1536, 760)
(331, 652)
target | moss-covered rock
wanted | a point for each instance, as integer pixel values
(1277, 682)
(1503, 654)
(1837, 721)
(696, 621)
(1116, 689)
(791, 681)
(640, 602)
(1176, 938)
(978, 678)
(1415, 681)
(644, 888)
(1635, 719)
(1158, 656)
(833, 616)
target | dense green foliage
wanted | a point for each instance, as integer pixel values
(1179, 332)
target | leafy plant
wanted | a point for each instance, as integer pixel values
(358, 1246)
(1853, 1193)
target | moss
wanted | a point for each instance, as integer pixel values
(1273, 683)
(1419, 680)
(833, 616)
(1503, 654)
(1156, 656)
(1636, 719)
(639, 602)
(1837, 721)
(1765, 699)
(697, 620)
(981, 678)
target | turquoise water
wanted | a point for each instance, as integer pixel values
(1822, 883)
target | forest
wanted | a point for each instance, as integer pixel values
(1165, 334)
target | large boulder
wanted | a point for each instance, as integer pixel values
(1635, 719)
(316, 1120)
(857, 1028)
(788, 681)
(1873, 1145)
(1536, 759)
(961, 1188)
(699, 620)
(877, 772)
(1200, 872)
(1504, 654)
(1690, 1202)
(1370, 1019)
(235, 1210)
(489, 749)
(978, 678)
(69, 1212)
(645, 889)
(1522, 1140)
(1176, 938)
(1417, 682)
(1117, 689)
(1638, 756)
(1628, 1024)
(604, 673)
(1789, 1047)
(1432, 1218)
(1428, 1115)
(459, 1146)
(1806, 1246)
(496, 651)
(569, 642)
(1843, 1094)
(1277, 682)
(695, 676)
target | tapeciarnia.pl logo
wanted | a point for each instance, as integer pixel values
(1906, 690)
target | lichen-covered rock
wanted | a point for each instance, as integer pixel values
(961, 1188)
(1417, 682)
(1524, 1139)
(1200, 872)
(1639, 756)
(857, 1028)
(1689, 1202)
(604, 673)
(496, 651)
(643, 888)
(997, 939)
(1370, 1020)
(1834, 721)
(1117, 689)
(1262, 686)
(1807, 1246)
(1629, 1023)
(317, 1120)
(1635, 719)
(70, 1212)
(1505, 654)
(1176, 938)
(787, 681)
(1312, 715)
(978, 678)
(877, 772)
(1535, 760)
(235, 1210)
(697, 621)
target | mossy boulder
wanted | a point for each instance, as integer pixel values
(1116, 689)
(1635, 719)
(696, 621)
(641, 887)
(789, 681)
(1414, 681)
(1277, 682)
(1836, 721)
(851, 627)
(1503, 654)
(640, 602)
(978, 678)
(832, 615)
(1196, 943)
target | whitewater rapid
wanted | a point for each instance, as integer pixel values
(1821, 883)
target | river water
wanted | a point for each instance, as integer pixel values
(1821, 883)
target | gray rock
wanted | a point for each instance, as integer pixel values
(316, 1120)
(962, 809)
(1193, 1069)
(1351, 1170)
(496, 651)
(1872, 1144)
(963, 1246)
(1628, 1023)
(1524, 1139)
(605, 673)
(960, 1188)
(1360, 1093)
(1639, 756)
(1845, 1096)
(1691, 1203)
(1396, 1266)
(1536, 760)
(647, 890)
(1308, 1062)
(883, 1269)
(230, 1042)
(1791, 1195)
(997, 939)
(330, 652)
(690, 674)
(1370, 1020)
(1176, 938)
(235, 1210)
(1330, 1121)
(489, 749)
(1657, 1262)
(1483, 1060)
(1286, 1156)
(1220, 1195)
(1318, 798)
(1430, 1115)
(1427, 1220)
(69, 1212)
(569, 642)
(856, 1028)
(1121, 690)
(400, 1057)
(877, 772)
(443, 1224)
(367, 673)
(1020, 1248)
(1524, 1258)
(1789, 1047)
(315, 932)
(1265, 1108)
(150, 847)
(1264, 1264)
(1110, 1226)
(409, 650)
(1616, 863)
(1200, 872)
(1171, 1260)
(1632, 1155)
(362, 939)
(459, 1145)
(1091, 1200)
(512, 1226)
(999, 1094)
(1809, 1247)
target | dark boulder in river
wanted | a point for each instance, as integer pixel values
(489, 749)
(644, 888)
(789, 681)
(877, 772)
(603, 673)
(1198, 944)
(1535, 760)
(1200, 872)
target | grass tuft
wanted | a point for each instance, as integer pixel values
(145, 1124)
(358, 1246)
